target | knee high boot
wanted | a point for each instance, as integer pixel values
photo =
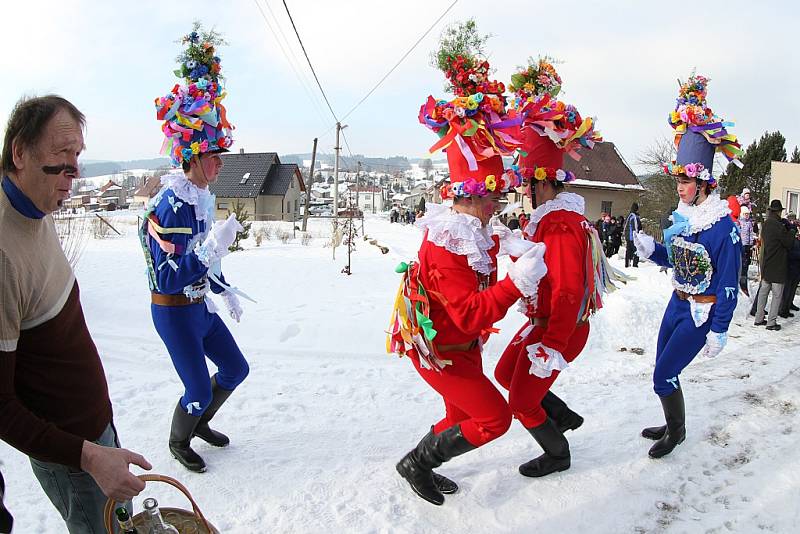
(560, 413)
(556, 455)
(183, 426)
(675, 414)
(434, 449)
(203, 431)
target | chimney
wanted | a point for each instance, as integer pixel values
(241, 151)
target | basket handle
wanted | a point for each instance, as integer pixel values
(109, 509)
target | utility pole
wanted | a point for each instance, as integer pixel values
(337, 148)
(309, 184)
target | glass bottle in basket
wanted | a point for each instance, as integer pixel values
(155, 522)
(125, 521)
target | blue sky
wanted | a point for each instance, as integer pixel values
(620, 63)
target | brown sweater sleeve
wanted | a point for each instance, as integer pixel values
(23, 430)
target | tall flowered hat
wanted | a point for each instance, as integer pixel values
(194, 118)
(699, 134)
(475, 128)
(549, 127)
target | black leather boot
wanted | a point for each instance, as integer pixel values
(434, 449)
(556, 451)
(675, 414)
(654, 432)
(558, 411)
(203, 431)
(183, 426)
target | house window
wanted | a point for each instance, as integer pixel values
(288, 206)
(222, 206)
(295, 205)
(244, 179)
(792, 201)
(605, 206)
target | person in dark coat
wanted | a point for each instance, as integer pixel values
(6, 521)
(776, 241)
(632, 225)
(792, 279)
(616, 235)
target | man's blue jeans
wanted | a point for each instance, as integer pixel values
(74, 493)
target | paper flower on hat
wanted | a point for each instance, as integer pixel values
(550, 127)
(474, 128)
(539, 77)
(699, 133)
(195, 120)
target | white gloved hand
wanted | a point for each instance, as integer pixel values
(232, 303)
(645, 244)
(529, 269)
(715, 342)
(511, 244)
(219, 239)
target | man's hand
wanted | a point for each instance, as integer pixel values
(528, 270)
(109, 468)
(715, 342)
(645, 244)
(232, 304)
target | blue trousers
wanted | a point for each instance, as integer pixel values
(679, 341)
(191, 334)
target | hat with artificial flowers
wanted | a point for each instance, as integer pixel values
(699, 134)
(195, 120)
(549, 127)
(474, 128)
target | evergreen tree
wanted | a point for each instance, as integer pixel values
(244, 219)
(795, 156)
(755, 174)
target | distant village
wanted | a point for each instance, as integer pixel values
(271, 190)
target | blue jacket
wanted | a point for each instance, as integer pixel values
(724, 247)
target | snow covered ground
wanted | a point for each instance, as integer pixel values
(324, 415)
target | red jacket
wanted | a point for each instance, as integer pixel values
(563, 292)
(460, 310)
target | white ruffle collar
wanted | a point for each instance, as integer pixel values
(705, 215)
(201, 199)
(460, 234)
(564, 201)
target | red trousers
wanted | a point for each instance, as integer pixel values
(526, 390)
(470, 398)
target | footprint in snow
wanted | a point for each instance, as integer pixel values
(289, 332)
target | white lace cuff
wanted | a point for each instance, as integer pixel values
(543, 365)
(526, 285)
(645, 244)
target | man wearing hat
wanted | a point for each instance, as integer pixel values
(183, 250)
(450, 298)
(776, 242)
(703, 246)
(557, 325)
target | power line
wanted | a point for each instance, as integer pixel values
(289, 60)
(309, 61)
(400, 60)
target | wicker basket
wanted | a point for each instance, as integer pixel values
(184, 520)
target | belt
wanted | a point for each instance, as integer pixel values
(461, 347)
(700, 299)
(160, 299)
(543, 322)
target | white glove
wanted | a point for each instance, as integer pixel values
(715, 342)
(529, 269)
(645, 244)
(220, 237)
(232, 303)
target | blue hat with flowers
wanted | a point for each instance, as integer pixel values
(194, 119)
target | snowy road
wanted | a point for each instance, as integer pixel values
(325, 414)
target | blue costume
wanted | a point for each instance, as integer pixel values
(705, 253)
(704, 248)
(179, 216)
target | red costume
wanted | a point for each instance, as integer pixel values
(450, 299)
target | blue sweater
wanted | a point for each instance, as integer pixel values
(724, 247)
(173, 213)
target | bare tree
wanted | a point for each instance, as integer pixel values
(660, 196)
